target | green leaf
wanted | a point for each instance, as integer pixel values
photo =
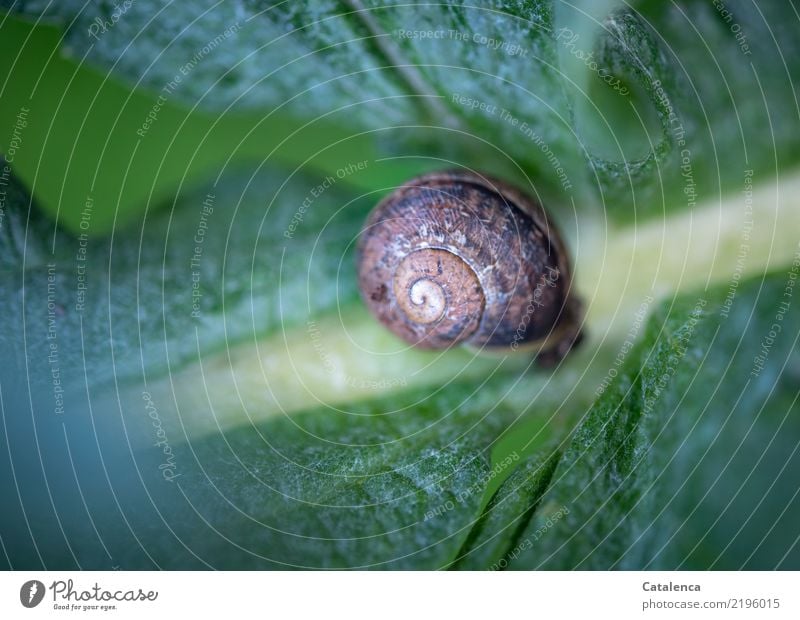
(130, 151)
(238, 283)
(668, 469)
(289, 428)
(689, 459)
(643, 110)
(394, 483)
(507, 514)
(184, 282)
(24, 231)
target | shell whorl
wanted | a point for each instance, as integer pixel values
(454, 257)
(439, 295)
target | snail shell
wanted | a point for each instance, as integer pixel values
(456, 257)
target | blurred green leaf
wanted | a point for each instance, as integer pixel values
(645, 111)
(77, 137)
(680, 463)
(689, 460)
(393, 483)
(183, 283)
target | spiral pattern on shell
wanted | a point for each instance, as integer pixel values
(456, 257)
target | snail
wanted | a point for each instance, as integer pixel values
(456, 257)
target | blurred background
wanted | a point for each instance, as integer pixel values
(191, 380)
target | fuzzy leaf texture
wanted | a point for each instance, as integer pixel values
(191, 381)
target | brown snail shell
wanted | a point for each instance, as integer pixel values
(456, 257)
